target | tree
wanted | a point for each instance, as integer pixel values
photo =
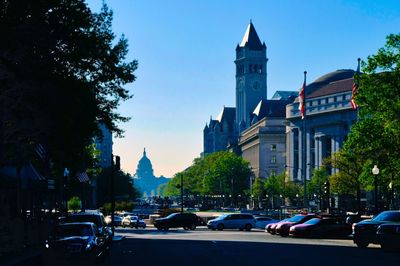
(258, 189)
(374, 138)
(124, 189)
(220, 173)
(62, 73)
(74, 204)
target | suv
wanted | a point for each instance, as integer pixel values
(364, 232)
(93, 217)
(232, 221)
(174, 220)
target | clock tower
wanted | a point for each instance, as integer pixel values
(251, 76)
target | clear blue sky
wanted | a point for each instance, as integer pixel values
(186, 50)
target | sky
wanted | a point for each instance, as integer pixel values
(186, 53)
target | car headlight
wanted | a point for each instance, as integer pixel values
(88, 247)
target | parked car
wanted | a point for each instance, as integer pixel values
(80, 241)
(117, 220)
(233, 221)
(364, 232)
(282, 228)
(93, 217)
(270, 228)
(323, 228)
(133, 221)
(261, 222)
(388, 236)
(175, 220)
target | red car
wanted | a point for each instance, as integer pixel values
(282, 228)
(321, 228)
(270, 228)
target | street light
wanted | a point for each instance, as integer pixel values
(375, 172)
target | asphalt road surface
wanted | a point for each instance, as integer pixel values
(230, 247)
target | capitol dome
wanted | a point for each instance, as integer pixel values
(144, 168)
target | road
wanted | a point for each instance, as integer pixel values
(230, 247)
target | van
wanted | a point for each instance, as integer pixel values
(239, 221)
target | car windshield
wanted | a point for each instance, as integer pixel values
(296, 218)
(313, 221)
(68, 230)
(388, 216)
(172, 215)
(83, 218)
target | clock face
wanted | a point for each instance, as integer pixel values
(256, 86)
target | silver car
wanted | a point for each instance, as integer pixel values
(232, 221)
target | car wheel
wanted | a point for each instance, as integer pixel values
(361, 243)
(248, 227)
(213, 229)
(131, 225)
(220, 227)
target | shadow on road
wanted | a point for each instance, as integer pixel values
(189, 252)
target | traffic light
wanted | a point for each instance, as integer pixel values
(117, 163)
(326, 188)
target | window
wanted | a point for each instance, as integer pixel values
(273, 159)
(273, 147)
(273, 172)
(250, 68)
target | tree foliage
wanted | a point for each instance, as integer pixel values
(220, 173)
(124, 189)
(74, 204)
(61, 74)
(374, 139)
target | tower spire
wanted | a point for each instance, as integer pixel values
(144, 152)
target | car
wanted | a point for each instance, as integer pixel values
(80, 241)
(133, 221)
(388, 236)
(262, 222)
(270, 228)
(186, 220)
(282, 228)
(117, 220)
(93, 217)
(364, 232)
(321, 228)
(239, 221)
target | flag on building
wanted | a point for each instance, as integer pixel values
(355, 88)
(40, 151)
(82, 177)
(302, 104)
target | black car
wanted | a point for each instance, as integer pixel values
(75, 241)
(185, 220)
(364, 232)
(92, 217)
(389, 236)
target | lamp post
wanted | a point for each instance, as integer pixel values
(375, 172)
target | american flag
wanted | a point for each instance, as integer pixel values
(82, 177)
(355, 88)
(301, 98)
(40, 151)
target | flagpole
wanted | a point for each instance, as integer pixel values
(304, 161)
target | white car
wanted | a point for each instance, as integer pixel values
(261, 222)
(133, 221)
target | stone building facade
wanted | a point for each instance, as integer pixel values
(329, 117)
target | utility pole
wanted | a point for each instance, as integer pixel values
(117, 167)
